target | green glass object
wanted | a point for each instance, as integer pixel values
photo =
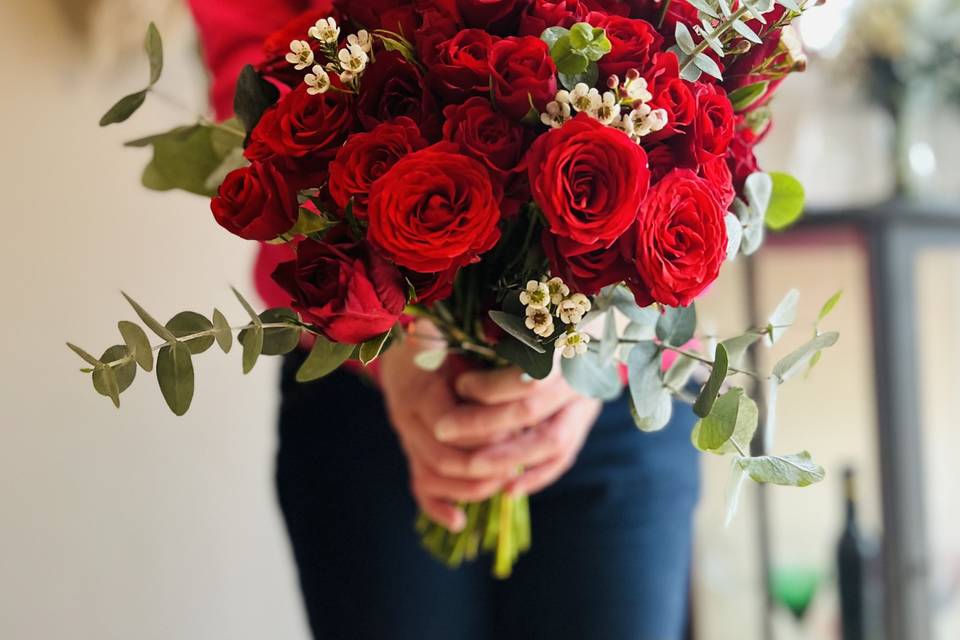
(794, 587)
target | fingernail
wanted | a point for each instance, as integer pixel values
(459, 522)
(444, 430)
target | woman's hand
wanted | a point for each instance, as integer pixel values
(465, 447)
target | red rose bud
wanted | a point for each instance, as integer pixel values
(458, 67)
(588, 180)
(392, 87)
(367, 156)
(635, 43)
(681, 238)
(713, 126)
(255, 202)
(343, 287)
(522, 72)
(435, 209)
(587, 268)
(488, 136)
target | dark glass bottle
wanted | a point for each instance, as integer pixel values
(852, 559)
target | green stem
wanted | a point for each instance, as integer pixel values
(716, 33)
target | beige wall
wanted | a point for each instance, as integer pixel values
(129, 524)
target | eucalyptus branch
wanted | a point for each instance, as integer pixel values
(718, 32)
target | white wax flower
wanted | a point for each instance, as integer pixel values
(353, 60)
(325, 30)
(318, 81)
(572, 344)
(585, 99)
(536, 295)
(540, 321)
(646, 120)
(636, 89)
(557, 113)
(609, 109)
(361, 39)
(301, 55)
(558, 290)
(571, 310)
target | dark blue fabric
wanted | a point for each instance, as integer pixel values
(611, 540)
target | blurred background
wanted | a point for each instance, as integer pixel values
(137, 524)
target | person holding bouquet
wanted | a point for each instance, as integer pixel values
(361, 450)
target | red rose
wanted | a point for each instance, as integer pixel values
(635, 42)
(588, 179)
(673, 95)
(433, 210)
(305, 131)
(431, 287)
(740, 155)
(458, 67)
(551, 13)
(717, 173)
(367, 156)
(370, 14)
(522, 71)
(392, 87)
(343, 287)
(496, 16)
(488, 136)
(255, 202)
(277, 45)
(588, 268)
(681, 239)
(712, 129)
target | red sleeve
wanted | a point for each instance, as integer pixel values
(232, 34)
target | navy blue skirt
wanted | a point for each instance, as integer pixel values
(612, 539)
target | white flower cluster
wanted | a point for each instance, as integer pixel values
(639, 120)
(549, 298)
(348, 63)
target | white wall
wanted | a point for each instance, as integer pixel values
(131, 523)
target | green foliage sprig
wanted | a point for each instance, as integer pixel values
(575, 51)
(273, 332)
(128, 105)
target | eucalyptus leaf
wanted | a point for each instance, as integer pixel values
(679, 373)
(704, 7)
(734, 418)
(187, 323)
(247, 307)
(536, 365)
(589, 77)
(783, 316)
(89, 359)
(734, 235)
(745, 31)
(786, 201)
(154, 48)
(175, 376)
(324, 358)
(515, 327)
(610, 341)
(125, 373)
(222, 331)
(278, 341)
(737, 347)
(684, 38)
(552, 34)
(430, 359)
(370, 350)
(659, 416)
(643, 374)
(186, 157)
(758, 188)
(797, 470)
(253, 96)
(791, 365)
(150, 321)
(124, 108)
(677, 325)
(718, 373)
(252, 342)
(828, 306)
(581, 35)
(591, 376)
(106, 383)
(707, 64)
(137, 343)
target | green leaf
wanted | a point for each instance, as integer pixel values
(515, 327)
(537, 365)
(581, 35)
(622, 299)
(175, 376)
(745, 31)
(89, 359)
(591, 376)
(124, 373)
(154, 48)
(786, 201)
(278, 341)
(309, 222)
(222, 331)
(247, 307)
(572, 63)
(745, 97)
(324, 358)
(798, 470)
(149, 320)
(186, 157)
(677, 325)
(659, 417)
(684, 38)
(828, 306)
(253, 96)
(188, 323)
(718, 373)
(124, 108)
(679, 372)
(252, 342)
(138, 344)
(790, 365)
(783, 316)
(734, 417)
(646, 385)
(706, 64)
(704, 7)
(105, 382)
(737, 348)
(552, 34)
(370, 349)
(588, 77)
(430, 359)
(610, 341)
(758, 189)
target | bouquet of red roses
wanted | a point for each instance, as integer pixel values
(545, 181)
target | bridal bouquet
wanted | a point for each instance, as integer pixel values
(550, 183)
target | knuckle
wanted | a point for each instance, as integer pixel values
(527, 408)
